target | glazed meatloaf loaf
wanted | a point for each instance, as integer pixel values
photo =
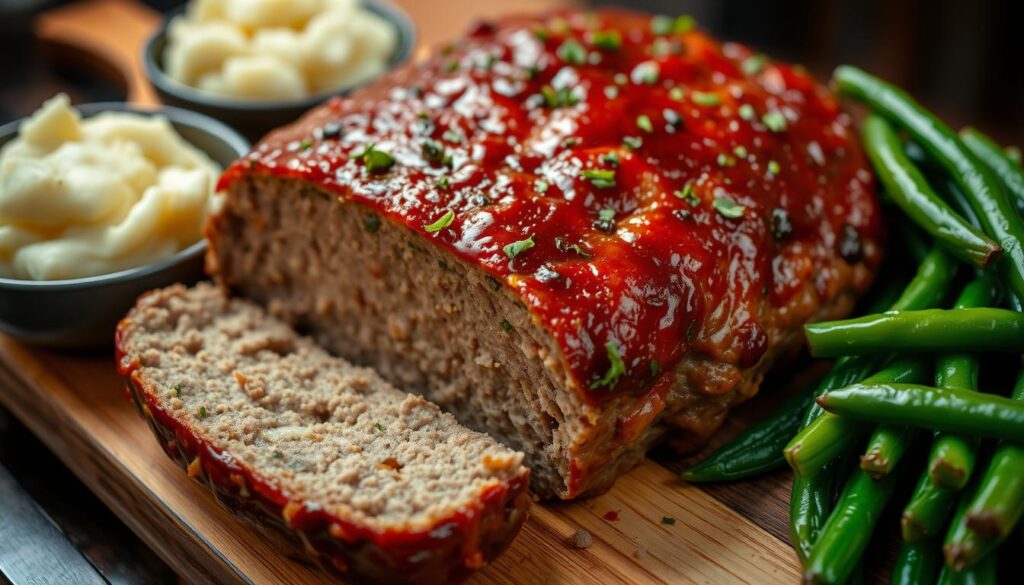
(575, 232)
(373, 483)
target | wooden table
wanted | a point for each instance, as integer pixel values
(75, 404)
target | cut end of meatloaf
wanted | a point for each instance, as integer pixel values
(379, 482)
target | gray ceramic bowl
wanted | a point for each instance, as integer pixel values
(83, 312)
(255, 118)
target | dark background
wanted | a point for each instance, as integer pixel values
(963, 59)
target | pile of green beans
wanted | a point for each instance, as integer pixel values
(908, 372)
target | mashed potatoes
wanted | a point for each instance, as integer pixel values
(86, 197)
(277, 49)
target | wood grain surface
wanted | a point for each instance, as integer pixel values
(76, 404)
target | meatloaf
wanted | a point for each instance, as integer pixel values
(576, 232)
(369, 481)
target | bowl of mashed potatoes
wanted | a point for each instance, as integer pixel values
(98, 204)
(259, 64)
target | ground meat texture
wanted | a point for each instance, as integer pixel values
(372, 482)
(578, 255)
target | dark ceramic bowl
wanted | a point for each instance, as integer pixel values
(82, 312)
(251, 117)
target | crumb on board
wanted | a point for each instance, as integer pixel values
(581, 539)
(612, 516)
(640, 554)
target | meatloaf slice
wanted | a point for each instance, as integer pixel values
(369, 481)
(576, 232)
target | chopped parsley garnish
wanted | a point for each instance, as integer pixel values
(606, 214)
(600, 178)
(620, 79)
(775, 121)
(747, 112)
(683, 24)
(687, 195)
(663, 25)
(611, 158)
(633, 142)
(506, 326)
(379, 427)
(740, 151)
(655, 368)
(541, 33)
(202, 412)
(278, 454)
(676, 94)
(606, 39)
(704, 98)
(611, 92)
(724, 160)
(375, 160)
(753, 65)
(541, 186)
(433, 151)
(516, 248)
(564, 246)
(177, 390)
(371, 223)
(453, 136)
(728, 208)
(451, 66)
(572, 52)
(441, 222)
(773, 168)
(306, 144)
(616, 369)
(643, 122)
(443, 182)
(668, 520)
(558, 98)
(646, 72)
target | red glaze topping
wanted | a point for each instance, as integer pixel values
(643, 188)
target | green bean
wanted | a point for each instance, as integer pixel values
(953, 455)
(985, 572)
(998, 215)
(811, 498)
(758, 449)
(951, 460)
(998, 162)
(810, 502)
(925, 516)
(885, 449)
(998, 503)
(916, 563)
(848, 530)
(974, 329)
(943, 409)
(907, 187)
(830, 436)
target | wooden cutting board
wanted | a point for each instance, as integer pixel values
(76, 404)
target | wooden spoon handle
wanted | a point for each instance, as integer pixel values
(108, 35)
